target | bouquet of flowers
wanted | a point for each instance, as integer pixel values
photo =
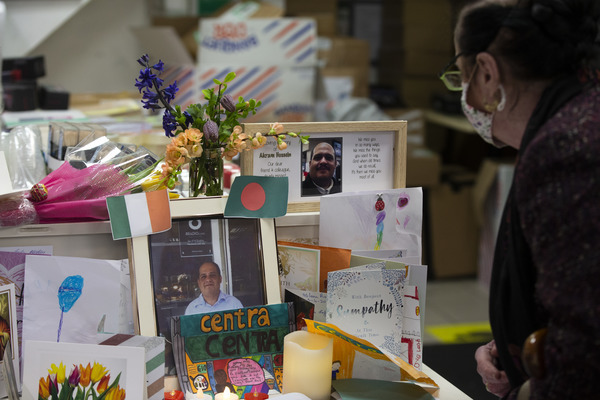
(202, 135)
(77, 190)
(82, 383)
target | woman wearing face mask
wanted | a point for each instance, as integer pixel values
(529, 79)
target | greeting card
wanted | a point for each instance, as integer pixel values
(367, 303)
(8, 335)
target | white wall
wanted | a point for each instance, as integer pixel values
(90, 48)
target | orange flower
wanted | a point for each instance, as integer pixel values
(98, 371)
(237, 130)
(195, 150)
(193, 135)
(86, 374)
(44, 389)
(277, 128)
(103, 384)
(282, 146)
(115, 393)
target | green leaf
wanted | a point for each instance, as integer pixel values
(207, 93)
(217, 82)
(112, 385)
(252, 102)
(79, 395)
(230, 76)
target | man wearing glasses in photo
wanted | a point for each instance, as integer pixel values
(320, 179)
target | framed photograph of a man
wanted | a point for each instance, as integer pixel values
(321, 166)
(204, 263)
(340, 157)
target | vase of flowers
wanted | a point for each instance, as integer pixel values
(204, 134)
(206, 174)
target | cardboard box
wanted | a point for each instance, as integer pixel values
(419, 37)
(417, 91)
(274, 60)
(343, 51)
(359, 77)
(423, 167)
(326, 22)
(425, 63)
(287, 94)
(298, 7)
(454, 234)
(260, 41)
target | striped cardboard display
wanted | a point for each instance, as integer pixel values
(155, 359)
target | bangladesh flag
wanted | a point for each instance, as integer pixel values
(257, 197)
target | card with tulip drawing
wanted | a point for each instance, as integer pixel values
(53, 371)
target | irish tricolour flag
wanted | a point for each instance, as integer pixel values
(139, 214)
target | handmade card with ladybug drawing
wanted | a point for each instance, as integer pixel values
(373, 220)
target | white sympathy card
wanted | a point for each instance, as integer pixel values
(367, 303)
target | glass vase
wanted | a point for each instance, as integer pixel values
(206, 174)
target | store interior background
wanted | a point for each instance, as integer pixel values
(393, 50)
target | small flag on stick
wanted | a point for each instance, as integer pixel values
(257, 197)
(139, 214)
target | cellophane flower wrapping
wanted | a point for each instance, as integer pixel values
(77, 190)
(16, 209)
(22, 147)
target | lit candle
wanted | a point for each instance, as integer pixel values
(174, 395)
(307, 359)
(226, 395)
(198, 396)
(255, 396)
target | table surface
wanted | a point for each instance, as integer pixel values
(447, 391)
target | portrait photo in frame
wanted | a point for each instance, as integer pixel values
(164, 267)
(371, 154)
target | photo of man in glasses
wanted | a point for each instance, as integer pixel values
(321, 178)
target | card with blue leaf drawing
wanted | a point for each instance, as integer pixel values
(70, 299)
(367, 303)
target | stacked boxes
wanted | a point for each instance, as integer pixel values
(417, 44)
(274, 60)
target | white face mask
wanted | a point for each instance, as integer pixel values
(481, 120)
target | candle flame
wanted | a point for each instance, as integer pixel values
(226, 393)
(199, 393)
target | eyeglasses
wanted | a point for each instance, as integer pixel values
(451, 75)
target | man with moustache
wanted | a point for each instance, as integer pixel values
(320, 179)
(211, 297)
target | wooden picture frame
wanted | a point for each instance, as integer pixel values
(368, 155)
(147, 266)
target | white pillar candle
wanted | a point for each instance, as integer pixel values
(226, 395)
(307, 359)
(199, 395)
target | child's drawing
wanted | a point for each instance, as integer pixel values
(68, 293)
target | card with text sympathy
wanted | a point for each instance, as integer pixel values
(368, 304)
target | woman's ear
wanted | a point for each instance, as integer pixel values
(489, 76)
